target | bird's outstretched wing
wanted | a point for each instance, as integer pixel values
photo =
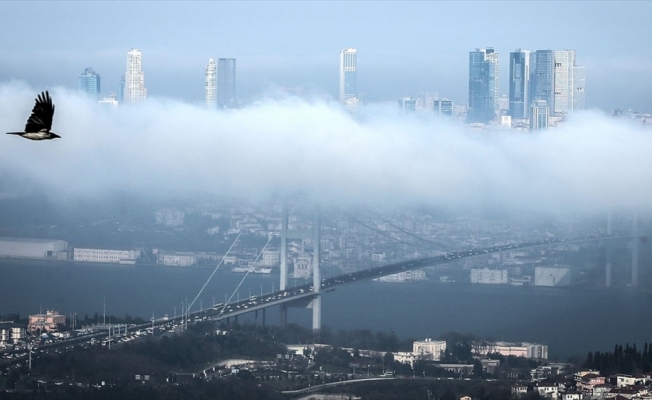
(42, 114)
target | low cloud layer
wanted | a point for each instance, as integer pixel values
(284, 145)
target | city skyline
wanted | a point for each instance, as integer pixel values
(295, 47)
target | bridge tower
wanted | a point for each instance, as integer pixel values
(607, 281)
(635, 249)
(315, 235)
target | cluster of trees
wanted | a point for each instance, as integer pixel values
(625, 360)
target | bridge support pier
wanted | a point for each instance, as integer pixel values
(635, 250)
(283, 315)
(263, 317)
(607, 281)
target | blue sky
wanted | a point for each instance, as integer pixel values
(403, 47)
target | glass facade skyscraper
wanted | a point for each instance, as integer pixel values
(348, 68)
(483, 85)
(519, 84)
(226, 83)
(564, 63)
(542, 80)
(89, 82)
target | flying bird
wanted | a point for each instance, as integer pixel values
(40, 122)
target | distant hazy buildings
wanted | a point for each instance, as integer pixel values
(483, 85)
(89, 82)
(210, 86)
(408, 104)
(443, 107)
(48, 322)
(32, 248)
(543, 77)
(109, 101)
(506, 349)
(539, 115)
(134, 91)
(348, 68)
(489, 276)
(552, 276)
(519, 84)
(226, 82)
(429, 349)
(106, 256)
(558, 80)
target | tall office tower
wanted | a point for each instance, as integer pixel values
(348, 67)
(519, 84)
(542, 78)
(211, 84)
(483, 85)
(226, 82)
(564, 63)
(539, 113)
(135, 91)
(579, 81)
(408, 104)
(89, 82)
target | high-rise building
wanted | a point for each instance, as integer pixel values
(579, 80)
(539, 114)
(443, 107)
(121, 94)
(135, 91)
(348, 67)
(483, 85)
(408, 104)
(542, 78)
(564, 64)
(226, 82)
(519, 84)
(89, 82)
(211, 84)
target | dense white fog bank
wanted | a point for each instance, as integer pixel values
(593, 162)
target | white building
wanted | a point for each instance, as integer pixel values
(31, 248)
(429, 349)
(549, 276)
(348, 67)
(405, 276)
(178, 259)
(109, 101)
(564, 88)
(271, 258)
(303, 266)
(106, 256)
(134, 91)
(526, 350)
(211, 84)
(489, 276)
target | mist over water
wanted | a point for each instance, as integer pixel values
(287, 144)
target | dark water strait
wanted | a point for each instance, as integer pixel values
(571, 321)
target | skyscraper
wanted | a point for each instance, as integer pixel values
(564, 64)
(483, 85)
(542, 78)
(135, 91)
(443, 107)
(519, 83)
(579, 81)
(348, 67)
(226, 82)
(89, 82)
(211, 84)
(539, 113)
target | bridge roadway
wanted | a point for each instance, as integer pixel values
(305, 293)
